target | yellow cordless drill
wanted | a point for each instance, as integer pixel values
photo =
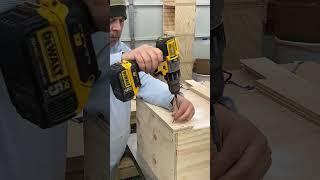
(125, 80)
(47, 59)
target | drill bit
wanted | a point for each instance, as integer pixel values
(177, 104)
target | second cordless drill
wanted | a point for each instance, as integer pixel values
(125, 81)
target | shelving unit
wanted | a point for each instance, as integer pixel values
(179, 20)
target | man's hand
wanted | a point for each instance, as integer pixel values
(185, 111)
(147, 57)
(245, 153)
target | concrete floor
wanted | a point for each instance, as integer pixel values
(295, 142)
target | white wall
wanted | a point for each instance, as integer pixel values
(148, 25)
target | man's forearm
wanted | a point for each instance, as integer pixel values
(155, 91)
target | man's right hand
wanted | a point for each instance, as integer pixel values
(147, 57)
(245, 153)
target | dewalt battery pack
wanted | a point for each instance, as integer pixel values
(47, 59)
(125, 80)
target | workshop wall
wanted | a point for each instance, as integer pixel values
(147, 25)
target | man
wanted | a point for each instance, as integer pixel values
(26, 151)
(152, 90)
(245, 153)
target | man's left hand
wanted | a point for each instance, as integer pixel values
(185, 111)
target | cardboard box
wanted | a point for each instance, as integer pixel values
(201, 66)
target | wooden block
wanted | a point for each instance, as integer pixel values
(198, 88)
(175, 151)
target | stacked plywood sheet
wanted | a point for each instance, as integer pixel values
(307, 70)
(286, 88)
(173, 150)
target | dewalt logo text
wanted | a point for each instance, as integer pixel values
(52, 54)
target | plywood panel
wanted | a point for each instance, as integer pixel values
(290, 90)
(307, 70)
(198, 88)
(193, 154)
(300, 97)
(156, 142)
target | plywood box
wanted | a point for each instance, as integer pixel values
(175, 151)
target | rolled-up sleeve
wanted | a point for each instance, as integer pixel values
(115, 58)
(155, 91)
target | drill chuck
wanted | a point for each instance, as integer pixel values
(173, 80)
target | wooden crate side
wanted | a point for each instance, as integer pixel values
(193, 154)
(156, 143)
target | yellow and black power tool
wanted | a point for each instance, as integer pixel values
(47, 59)
(125, 81)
